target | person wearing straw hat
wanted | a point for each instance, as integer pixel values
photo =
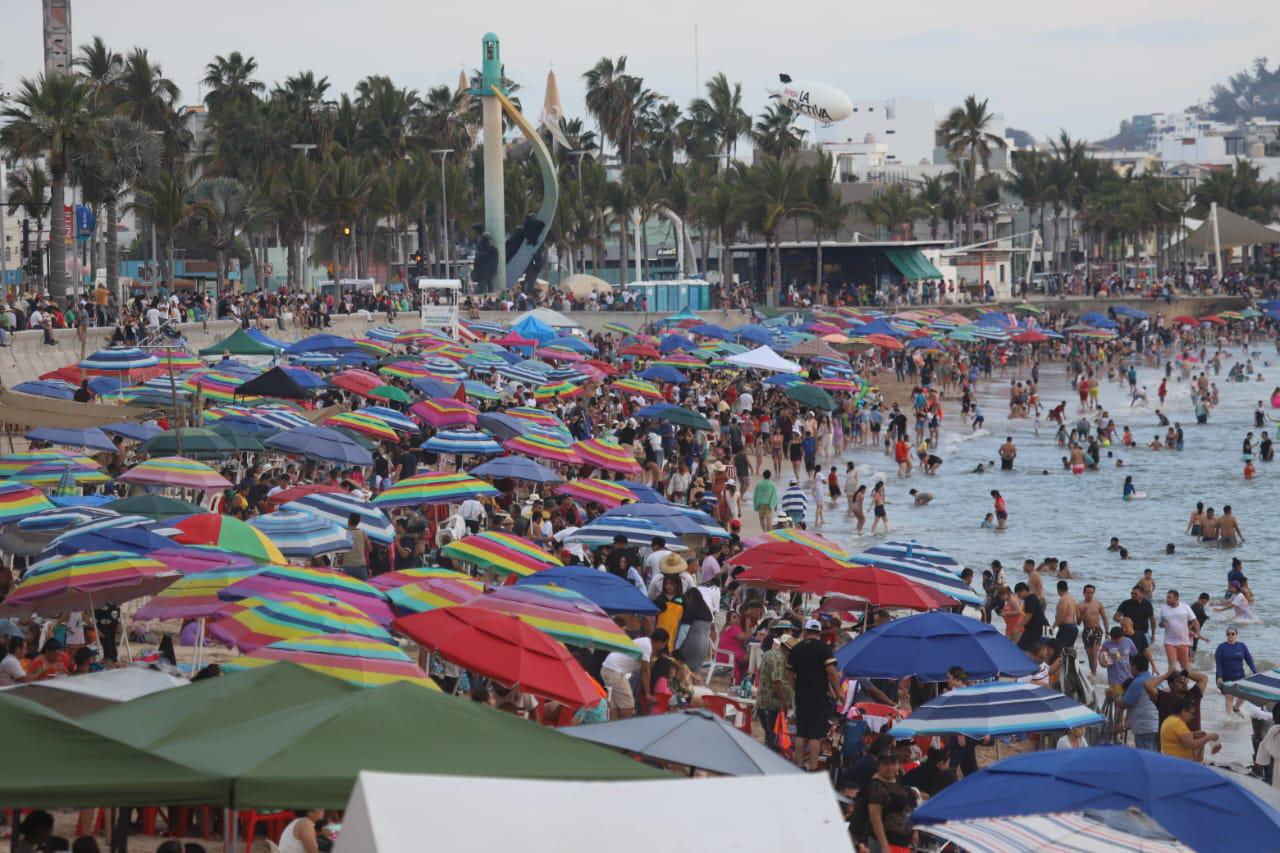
(671, 564)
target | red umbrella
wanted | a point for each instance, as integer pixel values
(505, 649)
(293, 493)
(515, 339)
(641, 351)
(1214, 319)
(358, 381)
(603, 366)
(878, 587)
(1031, 336)
(884, 341)
(1184, 320)
(784, 565)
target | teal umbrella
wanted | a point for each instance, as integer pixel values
(195, 443)
(810, 395)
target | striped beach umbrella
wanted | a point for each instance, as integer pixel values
(365, 424)
(417, 574)
(551, 353)
(216, 385)
(503, 553)
(815, 541)
(591, 490)
(847, 386)
(642, 387)
(398, 421)
(485, 327)
(558, 391)
(373, 346)
(434, 487)
(687, 361)
(443, 368)
(450, 350)
(194, 596)
(355, 660)
(12, 463)
(119, 360)
(338, 508)
(227, 533)
(480, 391)
(462, 442)
(637, 531)
(536, 416)
(282, 581)
(563, 614)
(18, 500)
(521, 373)
(996, 710)
(404, 370)
(176, 471)
(252, 623)
(445, 412)
(58, 519)
(383, 334)
(433, 593)
(302, 534)
(608, 455)
(618, 328)
(413, 336)
(177, 361)
(314, 359)
(79, 472)
(66, 583)
(483, 361)
(541, 446)
(389, 392)
(1261, 688)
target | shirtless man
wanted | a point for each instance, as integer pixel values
(1229, 532)
(1077, 459)
(1092, 616)
(1033, 579)
(1065, 617)
(1008, 452)
(1209, 526)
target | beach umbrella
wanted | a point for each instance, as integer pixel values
(315, 359)
(135, 540)
(434, 487)
(810, 395)
(879, 588)
(684, 520)
(58, 519)
(663, 373)
(302, 534)
(1261, 688)
(356, 381)
(282, 581)
(617, 328)
(338, 508)
(192, 559)
(152, 506)
(926, 645)
(388, 581)
(240, 440)
(433, 593)
(1202, 808)
(462, 442)
(784, 565)
(943, 579)
(365, 424)
(355, 660)
(228, 533)
(480, 391)
(608, 455)
(177, 472)
(829, 384)
(18, 500)
(677, 415)
(54, 389)
(501, 425)
(996, 709)
(445, 412)
(505, 649)
(195, 442)
(1031, 336)
(884, 341)
(603, 366)
(552, 353)
(12, 463)
(317, 442)
(293, 493)
(1092, 829)
(563, 614)
(390, 392)
(384, 334)
(486, 327)
(91, 438)
(607, 493)
(77, 471)
(398, 421)
(375, 347)
(631, 385)
(913, 550)
(609, 592)
(119, 360)
(637, 531)
(195, 595)
(639, 350)
(251, 623)
(541, 446)
(516, 468)
(104, 524)
(403, 369)
(504, 553)
(72, 582)
(562, 390)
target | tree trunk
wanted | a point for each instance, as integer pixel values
(1042, 266)
(222, 269)
(57, 272)
(169, 253)
(644, 251)
(818, 260)
(623, 255)
(112, 258)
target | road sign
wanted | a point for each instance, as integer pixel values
(268, 270)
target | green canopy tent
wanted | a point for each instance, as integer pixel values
(52, 762)
(313, 753)
(153, 506)
(913, 265)
(194, 442)
(239, 343)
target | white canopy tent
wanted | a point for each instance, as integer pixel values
(764, 358)
(77, 695)
(394, 812)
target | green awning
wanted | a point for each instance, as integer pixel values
(239, 343)
(913, 265)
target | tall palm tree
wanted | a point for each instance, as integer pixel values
(145, 94)
(621, 200)
(229, 80)
(167, 201)
(893, 209)
(29, 193)
(101, 66)
(648, 194)
(294, 199)
(124, 154)
(937, 200)
(1239, 188)
(1030, 182)
(46, 118)
(721, 115)
(776, 133)
(826, 208)
(966, 133)
(775, 191)
(720, 209)
(225, 209)
(1069, 164)
(408, 183)
(605, 96)
(342, 199)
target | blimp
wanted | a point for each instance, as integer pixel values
(819, 101)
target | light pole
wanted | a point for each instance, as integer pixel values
(444, 208)
(304, 148)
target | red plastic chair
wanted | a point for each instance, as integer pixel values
(274, 823)
(719, 705)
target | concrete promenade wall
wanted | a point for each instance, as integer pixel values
(29, 356)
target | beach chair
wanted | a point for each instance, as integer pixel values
(732, 710)
(722, 657)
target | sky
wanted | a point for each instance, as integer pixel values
(1082, 66)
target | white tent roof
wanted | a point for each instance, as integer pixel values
(764, 358)
(387, 810)
(75, 695)
(554, 319)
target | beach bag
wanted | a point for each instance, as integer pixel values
(781, 734)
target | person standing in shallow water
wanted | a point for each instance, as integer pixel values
(1002, 510)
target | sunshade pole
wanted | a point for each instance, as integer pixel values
(229, 827)
(195, 655)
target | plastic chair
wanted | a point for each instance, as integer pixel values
(720, 705)
(273, 823)
(722, 657)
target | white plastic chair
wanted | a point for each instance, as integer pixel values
(721, 658)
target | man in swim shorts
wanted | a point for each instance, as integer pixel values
(1092, 615)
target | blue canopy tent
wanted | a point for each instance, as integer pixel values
(262, 338)
(534, 329)
(323, 343)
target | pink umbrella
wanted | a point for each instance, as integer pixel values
(445, 411)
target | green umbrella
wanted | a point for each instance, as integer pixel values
(1028, 309)
(239, 440)
(362, 440)
(681, 416)
(390, 392)
(810, 395)
(195, 443)
(153, 506)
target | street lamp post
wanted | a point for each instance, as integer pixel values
(444, 208)
(304, 148)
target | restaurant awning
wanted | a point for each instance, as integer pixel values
(913, 265)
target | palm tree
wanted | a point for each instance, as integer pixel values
(622, 204)
(719, 208)
(229, 81)
(605, 96)
(124, 154)
(408, 183)
(145, 94)
(168, 203)
(29, 193)
(893, 209)
(826, 207)
(294, 197)
(342, 199)
(966, 133)
(648, 194)
(1240, 189)
(937, 201)
(1068, 166)
(101, 66)
(775, 191)
(776, 133)
(1030, 182)
(47, 117)
(225, 209)
(720, 114)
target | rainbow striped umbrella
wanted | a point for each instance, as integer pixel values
(445, 349)
(66, 583)
(363, 423)
(78, 470)
(434, 593)
(504, 553)
(390, 580)
(396, 420)
(280, 581)
(846, 385)
(18, 500)
(678, 359)
(559, 353)
(12, 463)
(480, 391)
(404, 370)
(176, 471)
(604, 492)
(415, 335)
(445, 412)
(542, 446)
(252, 623)
(443, 368)
(215, 385)
(618, 328)
(643, 387)
(373, 346)
(537, 416)
(385, 334)
(119, 360)
(195, 596)
(802, 537)
(608, 455)
(178, 360)
(356, 660)
(434, 487)
(561, 613)
(558, 391)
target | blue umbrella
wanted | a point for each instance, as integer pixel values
(1126, 311)
(1202, 808)
(323, 343)
(646, 494)
(522, 373)
(996, 709)
(783, 379)
(573, 342)
(108, 384)
(137, 432)
(1098, 320)
(517, 468)
(663, 373)
(434, 387)
(318, 442)
(261, 337)
(926, 645)
(710, 330)
(484, 327)
(462, 442)
(119, 359)
(754, 334)
(137, 540)
(302, 533)
(53, 388)
(684, 520)
(610, 592)
(338, 507)
(445, 367)
(479, 390)
(637, 531)
(81, 500)
(395, 420)
(304, 377)
(671, 343)
(503, 426)
(62, 518)
(91, 437)
(315, 359)
(914, 550)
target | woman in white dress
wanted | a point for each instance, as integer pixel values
(300, 835)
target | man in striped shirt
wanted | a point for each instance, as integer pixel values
(795, 503)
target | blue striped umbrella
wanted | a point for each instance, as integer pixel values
(338, 507)
(484, 327)
(480, 391)
(60, 519)
(106, 523)
(396, 420)
(638, 531)
(914, 550)
(521, 373)
(120, 359)
(996, 709)
(566, 374)
(483, 361)
(444, 368)
(301, 533)
(1260, 688)
(386, 334)
(462, 442)
(314, 359)
(936, 577)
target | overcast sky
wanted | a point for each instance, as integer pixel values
(1081, 65)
